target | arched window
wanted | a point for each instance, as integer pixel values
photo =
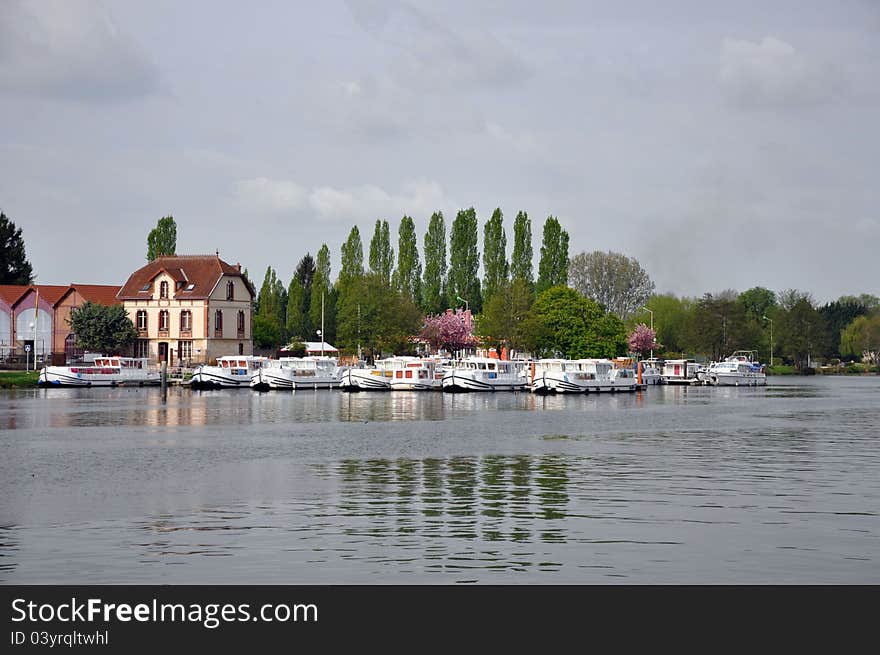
(218, 323)
(163, 321)
(185, 320)
(240, 323)
(163, 289)
(142, 320)
(230, 290)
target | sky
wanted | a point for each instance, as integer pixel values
(723, 144)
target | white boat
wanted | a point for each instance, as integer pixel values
(738, 370)
(104, 372)
(484, 374)
(415, 374)
(580, 376)
(651, 372)
(680, 371)
(374, 378)
(293, 373)
(231, 372)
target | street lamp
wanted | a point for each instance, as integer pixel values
(466, 306)
(771, 337)
(32, 326)
(321, 337)
(652, 328)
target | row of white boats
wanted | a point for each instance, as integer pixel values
(471, 374)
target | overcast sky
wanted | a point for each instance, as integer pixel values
(723, 144)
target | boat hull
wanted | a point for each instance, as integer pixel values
(462, 383)
(62, 377)
(363, 380)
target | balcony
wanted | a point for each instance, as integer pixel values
(185, 333)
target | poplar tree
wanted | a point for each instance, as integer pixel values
(299, 299)
(464, 261)
(407, 278)
(521, 260)
(352, 257)
(381, 252)
(162, 239)
(495, 267)
(553, 268)
(434, 287)
(321, 287)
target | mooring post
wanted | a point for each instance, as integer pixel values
(164, 378)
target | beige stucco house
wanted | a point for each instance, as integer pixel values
(190, 309)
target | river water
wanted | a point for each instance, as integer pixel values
(669, 485)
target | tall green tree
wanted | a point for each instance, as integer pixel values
(503, 316)
(299, 294)
(521, 259)
(434, 287)
(321, 287)
(376, 317)
(407, 277)
(102, 329)
(495, 266)
(671, 315)
(838, 315)
(352, 257)
(553, 267)
(269, 321)
(381, 252)
(564, 323)
(162, 239)
(14, 266)
(801, 330)
(719, 325)
(464, 261)
(757, 302)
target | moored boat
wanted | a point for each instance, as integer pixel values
(293, 373)
(484, 374)
(680, 371)
(740, 369)
(104, 372)
(230, 372)
(415, 374)
(374, 378)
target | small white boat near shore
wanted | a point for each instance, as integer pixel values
(292, 373)
(231, 372)
(580, 376)
(104, 372)
(374, 378)
(680, 371)
(415, 374)
(738, 370)
(484, 374)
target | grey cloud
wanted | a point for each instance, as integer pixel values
(433, 56)
(772, 73)
(70, 49)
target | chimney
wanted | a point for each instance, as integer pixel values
(238, 266)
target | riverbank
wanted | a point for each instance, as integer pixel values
(18, 379)
(854, 369)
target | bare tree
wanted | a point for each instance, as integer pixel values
(614, 280)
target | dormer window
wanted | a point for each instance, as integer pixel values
(146, 287)
(230, 290)
(163, 289)
(191, 286)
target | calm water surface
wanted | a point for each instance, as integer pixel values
(671, 485)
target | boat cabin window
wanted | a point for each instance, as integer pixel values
(491, 366)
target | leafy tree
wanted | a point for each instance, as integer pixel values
(838, 315)
(14, 266)
(352, 257)
(101, 328)
(671, 316)
(464, 260)
(434, 287)
(162, 239)
(267, 333)
(297, 318)
(613, 280)
(553, 267)
(802, 331)
(271, 309)
(643, 340)
(718, 325)
(408, 277)
(381, 252)
(501, 322)
(757, 302)
(495, 266)
(861, 338)
(565, 323)
(521, 260)
(321, 287)
(376, 317)
(450, 330)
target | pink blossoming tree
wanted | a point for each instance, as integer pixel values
(452, 331)
(643, 339)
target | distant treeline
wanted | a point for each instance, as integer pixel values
(580, 306)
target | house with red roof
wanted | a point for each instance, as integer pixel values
(189, 309)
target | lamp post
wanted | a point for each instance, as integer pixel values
(652, 328)
(771, 337)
